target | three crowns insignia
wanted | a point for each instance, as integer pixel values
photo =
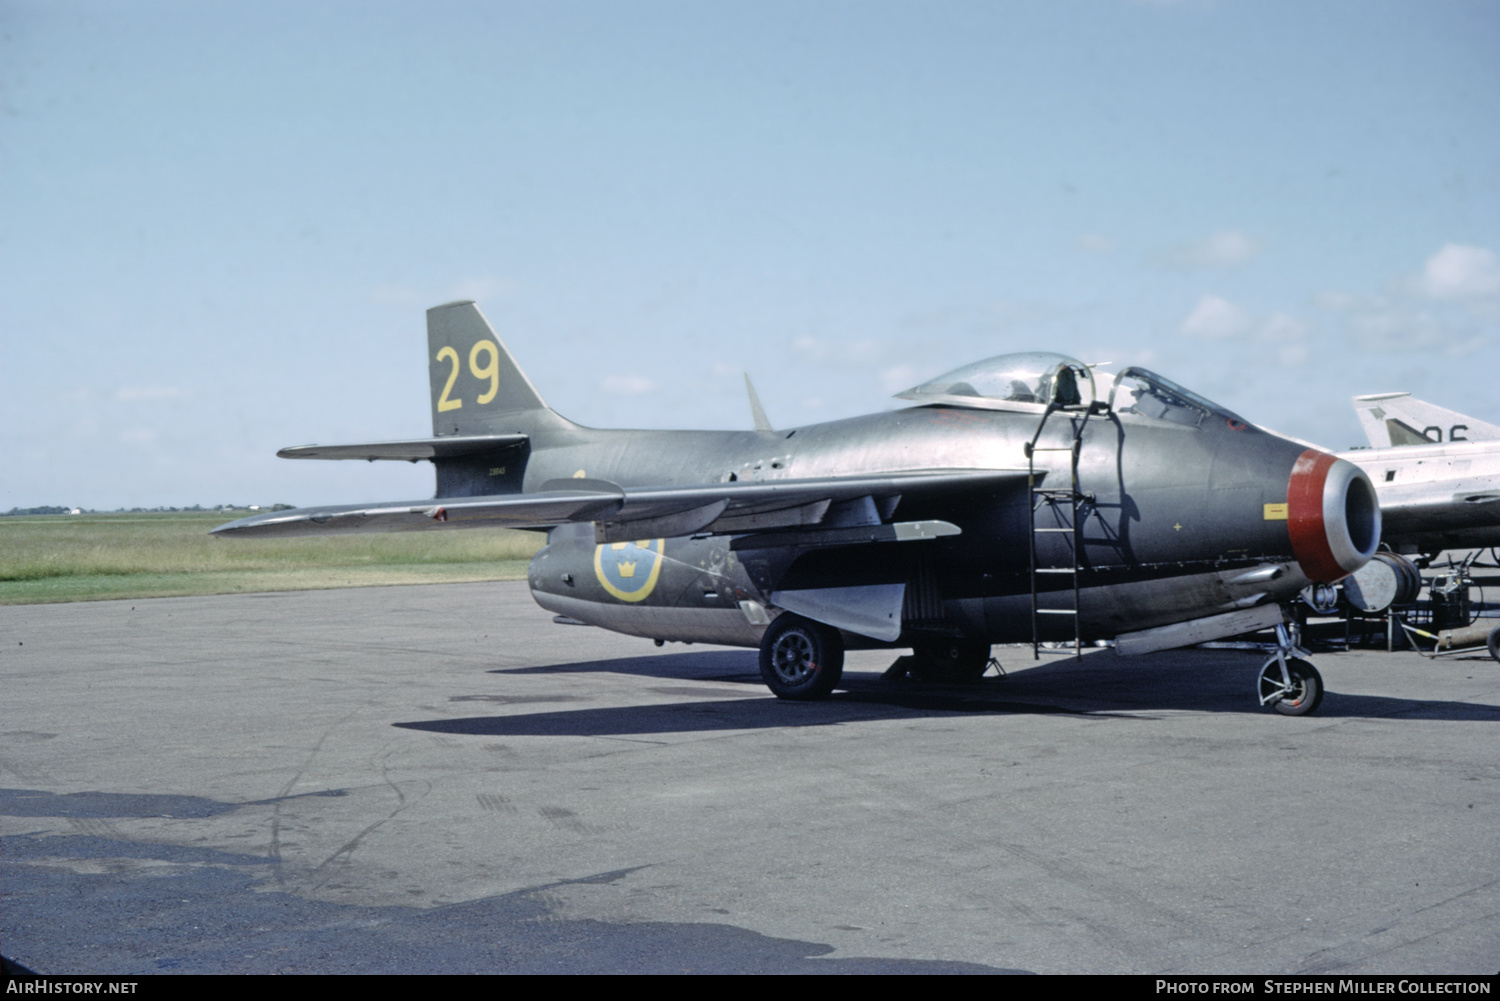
(626, 568)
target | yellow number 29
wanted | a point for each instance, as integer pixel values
(490, 371)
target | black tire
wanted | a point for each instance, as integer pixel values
(950, 662)
(1495, 642)
(1307, 687)
(800, 659)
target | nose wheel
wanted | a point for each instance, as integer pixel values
(1289, 684)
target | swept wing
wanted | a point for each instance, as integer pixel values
(864, 502)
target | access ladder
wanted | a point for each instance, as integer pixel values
(1056, 500)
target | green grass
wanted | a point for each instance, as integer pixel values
(82, 557)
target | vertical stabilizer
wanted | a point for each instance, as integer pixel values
(1402, 419)
(477, 388)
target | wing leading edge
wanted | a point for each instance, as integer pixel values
(845, 508)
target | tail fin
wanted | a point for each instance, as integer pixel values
(1402, 419)
(477, 388)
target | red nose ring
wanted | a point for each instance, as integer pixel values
(1332, 516)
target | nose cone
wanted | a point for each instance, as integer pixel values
(1333, 516)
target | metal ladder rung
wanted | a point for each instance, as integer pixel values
(1055, 497)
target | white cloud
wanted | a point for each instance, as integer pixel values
(1226, 248)
(1094, 243)
(1217, 319)
(627, 385)
(1380, 323)
(1459, 272)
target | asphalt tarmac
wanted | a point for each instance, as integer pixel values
(439, 778)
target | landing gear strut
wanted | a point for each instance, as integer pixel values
(1289, 684)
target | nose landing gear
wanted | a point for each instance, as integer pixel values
(1289, 684)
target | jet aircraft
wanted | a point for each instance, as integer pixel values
(1016, 500)
(1436, 474)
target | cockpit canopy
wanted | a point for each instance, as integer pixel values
(1028, 381)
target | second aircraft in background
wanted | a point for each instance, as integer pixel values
(1436, 472)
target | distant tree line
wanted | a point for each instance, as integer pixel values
(53, 509)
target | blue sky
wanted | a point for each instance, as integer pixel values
(220, 224)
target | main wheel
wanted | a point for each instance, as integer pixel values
(1307, 687)
(1494, 643)
(800, 659)
(951, 661)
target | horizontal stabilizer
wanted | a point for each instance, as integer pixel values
(409, 450)
(627, 512)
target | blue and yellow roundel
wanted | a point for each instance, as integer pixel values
(628, 570)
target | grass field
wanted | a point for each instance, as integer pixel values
(85, 557)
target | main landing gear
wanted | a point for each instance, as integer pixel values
(800, 659)
(1290, 684)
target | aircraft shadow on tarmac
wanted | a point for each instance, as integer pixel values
(130, 920)
(1099, 685)
(98, 805)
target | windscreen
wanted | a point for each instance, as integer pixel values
(1143, 392)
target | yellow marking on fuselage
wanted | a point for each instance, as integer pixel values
(624, 570)
(490, 371)
(443, 402)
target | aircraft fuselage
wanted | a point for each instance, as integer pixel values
(1174, 514)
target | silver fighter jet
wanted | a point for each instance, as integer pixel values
(1015, 501)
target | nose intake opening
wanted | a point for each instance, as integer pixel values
(1362, 516)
